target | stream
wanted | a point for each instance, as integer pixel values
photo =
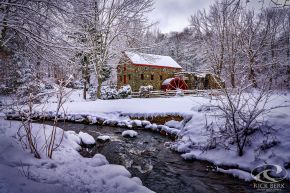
(162, 170)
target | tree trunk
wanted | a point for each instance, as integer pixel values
(233, 82)
(288, 38)
(99, 88)
(85, 90)
(240, 152)
(252, 74)
(85, 78)
(252, 77)
(4, 23)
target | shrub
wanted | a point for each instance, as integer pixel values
(109, 92)
(92, 93)
(125, 91)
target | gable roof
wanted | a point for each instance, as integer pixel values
(152, 60)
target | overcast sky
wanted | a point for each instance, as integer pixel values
(173, 15)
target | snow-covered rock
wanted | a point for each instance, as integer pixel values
(103, 138)
(145, 122)
(129, 133)
(74, 139)
(86, 138)
(136, 123)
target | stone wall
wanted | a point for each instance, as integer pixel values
(201, 81)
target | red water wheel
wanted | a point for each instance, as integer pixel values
(174, 84)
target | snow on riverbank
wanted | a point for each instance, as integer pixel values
(193, 135)
(67, 172)
(194, 139)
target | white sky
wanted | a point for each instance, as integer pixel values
(173, 15)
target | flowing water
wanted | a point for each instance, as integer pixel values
(148, 157)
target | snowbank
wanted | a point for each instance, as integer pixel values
(237, 173)
(194, 139)
(67, 172)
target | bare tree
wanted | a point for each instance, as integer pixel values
(218, 34)
(62, 96)
(33, 37)
(106, 25)
(246, 48)
(242, 109)
(28, 137)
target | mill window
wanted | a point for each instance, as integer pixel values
(125, 79)
(161, 78)
(152, 76)
(142, 76)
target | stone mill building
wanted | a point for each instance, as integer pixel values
(140, 69)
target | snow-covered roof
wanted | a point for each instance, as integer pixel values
(152, 60)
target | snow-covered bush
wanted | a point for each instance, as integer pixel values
(242, 110)
(145, 91)
(48, 86)
(93, 93)
(125, 91)
(5, 89)
(75, 85)
(29, 81)
(33, 87)
(9, 72)
(109, 92)
(18, 75)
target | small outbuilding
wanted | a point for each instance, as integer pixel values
(201, 80)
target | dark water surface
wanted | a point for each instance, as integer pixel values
(148, 157)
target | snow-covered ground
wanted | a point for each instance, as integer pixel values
(67, 172)
(149, 106)
(193, 134)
